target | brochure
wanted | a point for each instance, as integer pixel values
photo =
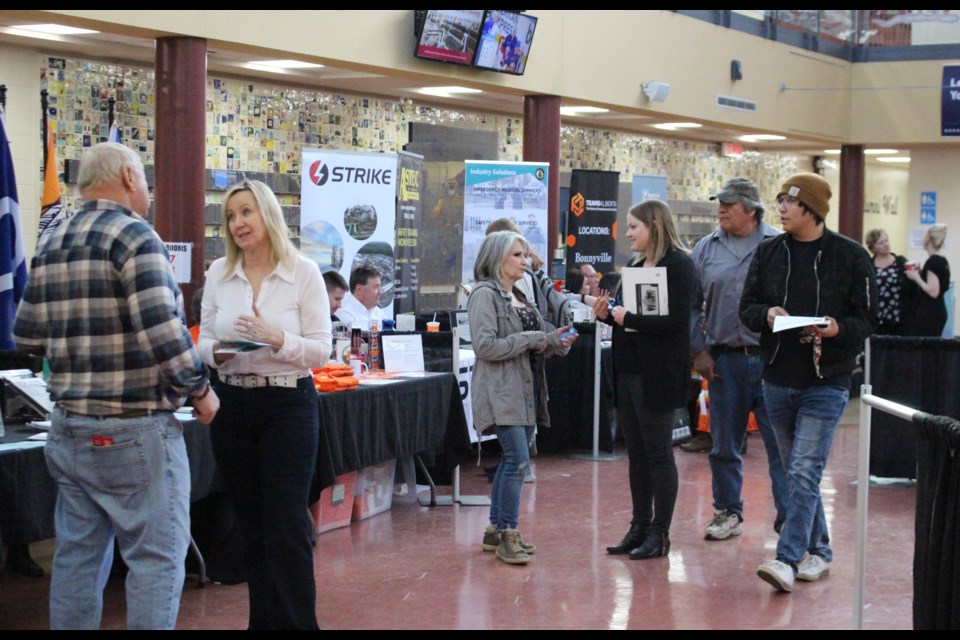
(645, 291)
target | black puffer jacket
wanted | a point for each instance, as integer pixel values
(847, 292)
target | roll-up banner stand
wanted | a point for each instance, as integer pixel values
(348, 213)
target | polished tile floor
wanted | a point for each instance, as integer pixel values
(422, 568)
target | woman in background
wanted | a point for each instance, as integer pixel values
(651, 368)
(509, 388)
(930, 312)
(266, 434)
(892, 284)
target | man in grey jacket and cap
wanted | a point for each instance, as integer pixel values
(727, 354)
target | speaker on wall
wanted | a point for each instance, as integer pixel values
(656, 91)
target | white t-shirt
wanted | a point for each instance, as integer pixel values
(354, 311)
(293, 300)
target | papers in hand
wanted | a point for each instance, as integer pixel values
(782, 323)
(240, 346)
(645, 291)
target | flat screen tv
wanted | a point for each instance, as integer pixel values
(505, 40)
(449, 36)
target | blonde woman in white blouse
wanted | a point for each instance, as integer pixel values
(265, 437)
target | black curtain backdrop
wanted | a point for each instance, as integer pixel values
(921, 373)
(936, 555)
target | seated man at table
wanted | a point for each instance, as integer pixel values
(336, 290)
(361, 305)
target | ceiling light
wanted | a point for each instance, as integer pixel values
(285, 64)
(900, 159)
(832, 152)
(761, 137)
(445, 92)
(673, 126)
(55, 29)
(879, 152)
(579, 111)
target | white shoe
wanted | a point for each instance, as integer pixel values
(778, 574)
(723, 525)
(812, 568)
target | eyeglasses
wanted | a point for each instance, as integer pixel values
(782, 200)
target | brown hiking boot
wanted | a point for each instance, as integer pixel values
(701, 443)
(510, 550)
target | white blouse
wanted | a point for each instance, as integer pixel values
(291, 300)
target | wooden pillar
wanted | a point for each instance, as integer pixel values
(541, 143)
(852, 177)
(180, 150)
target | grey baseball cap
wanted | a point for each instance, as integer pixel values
(737, 189)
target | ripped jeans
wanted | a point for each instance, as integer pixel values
(508, 481)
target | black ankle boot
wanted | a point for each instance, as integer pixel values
(634, 538)
(657, 544)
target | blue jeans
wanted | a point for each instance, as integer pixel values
(738, 392)
(265, 443)
(508, 481)
(123, 478)
(804, 421)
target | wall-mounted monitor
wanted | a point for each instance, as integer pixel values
(449, 35)
(505, 40)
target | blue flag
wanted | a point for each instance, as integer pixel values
(13, 263)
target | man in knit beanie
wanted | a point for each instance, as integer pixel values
(807, 375)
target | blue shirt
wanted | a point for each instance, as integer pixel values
(721, 273)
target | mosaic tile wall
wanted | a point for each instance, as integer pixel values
(259, 127)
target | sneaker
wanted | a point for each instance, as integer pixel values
(724, 525)
(812, 568)
(491, 540)
(529, 476)
(778, 574)
(510, 550)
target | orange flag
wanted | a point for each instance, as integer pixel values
(52, 213)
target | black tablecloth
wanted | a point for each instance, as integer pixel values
(28, 493)
(372, 424)
(359, 428)
(570, 382)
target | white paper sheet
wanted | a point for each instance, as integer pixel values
(782, 323)
(402, 353)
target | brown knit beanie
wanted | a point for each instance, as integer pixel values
(810, 189)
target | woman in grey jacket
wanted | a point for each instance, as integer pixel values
(509, 390)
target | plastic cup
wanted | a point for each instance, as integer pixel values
(433, 326)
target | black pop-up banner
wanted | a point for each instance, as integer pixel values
(409, 223)
(592, 222)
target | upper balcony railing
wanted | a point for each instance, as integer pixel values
(857, 35)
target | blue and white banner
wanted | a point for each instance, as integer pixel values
(13, 263)
(514, 190)
(950, 101)
(348, 213)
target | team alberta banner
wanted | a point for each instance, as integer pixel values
(348, 213)
(514, 190)
(592, 223)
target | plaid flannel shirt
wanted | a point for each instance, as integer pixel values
(102, 304)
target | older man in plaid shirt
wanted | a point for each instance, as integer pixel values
(103, 306)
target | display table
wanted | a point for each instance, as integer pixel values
(570, 383)
(358, 429)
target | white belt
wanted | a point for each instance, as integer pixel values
(253, 381)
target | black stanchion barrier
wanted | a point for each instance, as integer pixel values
(922, 373)
(936, 554)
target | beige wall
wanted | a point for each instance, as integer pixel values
(19, 71)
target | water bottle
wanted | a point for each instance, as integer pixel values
(374, 348)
